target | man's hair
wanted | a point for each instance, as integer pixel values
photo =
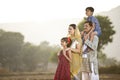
(90, 23)
(90, 8)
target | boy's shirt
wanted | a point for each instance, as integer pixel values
(97, 25)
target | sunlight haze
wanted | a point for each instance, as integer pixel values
(38, 20)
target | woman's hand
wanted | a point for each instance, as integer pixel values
(64, 52)
(68, 49)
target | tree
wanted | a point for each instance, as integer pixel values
(10, 47)
(55, 50)
(107, 30)
(34, 56)
(44, 50)
(104, 39)
(30, 56)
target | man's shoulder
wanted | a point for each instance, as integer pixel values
(96, 37)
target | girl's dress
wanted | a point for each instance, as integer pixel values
(63, 68)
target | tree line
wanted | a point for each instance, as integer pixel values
(17, 55)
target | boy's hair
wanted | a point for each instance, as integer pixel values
(90, 8)
(73, 25)
(67, 40)
(90, 23)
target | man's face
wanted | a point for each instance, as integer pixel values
(87, 27)
(88, 12)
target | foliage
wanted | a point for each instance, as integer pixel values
(54, 57)
(115, 69)
(107, 30)
(10, 47)
(16, 55)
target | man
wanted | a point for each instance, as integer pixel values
(89, 63)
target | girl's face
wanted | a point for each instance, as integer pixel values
(88, 12)
(63, 43)
(71, 30)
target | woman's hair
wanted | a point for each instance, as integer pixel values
(90, 8)
(73, 25)
(67, 40)
(77, 36)
(90, 23)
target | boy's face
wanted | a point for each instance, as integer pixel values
(88, 12)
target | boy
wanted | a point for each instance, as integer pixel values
(96, 30)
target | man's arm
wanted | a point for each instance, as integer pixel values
(93, 45)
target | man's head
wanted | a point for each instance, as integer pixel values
(89, 11)
(88, 26)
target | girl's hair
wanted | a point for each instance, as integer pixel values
(67, 40)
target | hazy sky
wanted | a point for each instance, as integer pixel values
(40, 20)
(43, 10)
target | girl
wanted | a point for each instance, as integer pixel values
(64, 58)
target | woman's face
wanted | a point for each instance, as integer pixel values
(71, 30)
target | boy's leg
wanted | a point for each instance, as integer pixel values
(92, 35)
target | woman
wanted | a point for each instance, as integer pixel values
(76, 50)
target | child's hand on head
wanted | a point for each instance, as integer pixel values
(82, 33)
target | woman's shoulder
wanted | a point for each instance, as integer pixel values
(76, 41)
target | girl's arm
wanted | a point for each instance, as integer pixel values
(64, 53)
(58, 55)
